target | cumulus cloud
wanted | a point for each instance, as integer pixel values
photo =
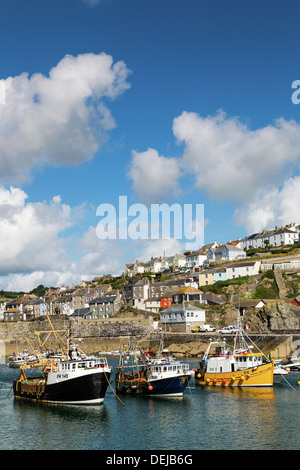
(59, 119)
(230, 161)
(271, 206)
(99, 256)
(154, 248)
(30, 233)
(227, 160)
(154, 176)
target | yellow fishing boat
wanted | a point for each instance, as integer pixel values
(239, 367)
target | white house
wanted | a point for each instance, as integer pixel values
(177, 261)
(244, 268)
(156, 265)
(197, 258)
(132, 269)
(152, 304)
(225, 252)
(181, 317)
(287, 235)
(289, 264)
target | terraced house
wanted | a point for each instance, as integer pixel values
(287, 235)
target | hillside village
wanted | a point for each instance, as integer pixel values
(184, 289)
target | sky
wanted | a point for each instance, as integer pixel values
(174, 103)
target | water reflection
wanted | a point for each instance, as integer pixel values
(205, 418)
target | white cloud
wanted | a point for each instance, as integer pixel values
(59, 119)
(99, 256)
(26, 282)
(33, 248)
(154, 177)
(155, 248)
(30, 233)
(225, 158)
(271, 206)
(230, 161)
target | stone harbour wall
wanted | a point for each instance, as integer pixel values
(105, 335)
(93, 335)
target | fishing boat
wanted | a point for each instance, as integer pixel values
(168, 379)
(74, 379)
(152, 376)
(15, 360)
(234, 367)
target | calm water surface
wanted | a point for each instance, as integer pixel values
(211, 418)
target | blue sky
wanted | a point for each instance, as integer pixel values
(167, 101)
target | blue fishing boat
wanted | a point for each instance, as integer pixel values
(168, 379)
(152, 376)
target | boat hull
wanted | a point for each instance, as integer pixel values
(260, 376)
(89, 389)
(167, 387)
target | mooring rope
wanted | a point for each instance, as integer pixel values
(113, 389)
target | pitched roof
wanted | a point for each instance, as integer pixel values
(103, 300)
(242, 264)
(187, 290)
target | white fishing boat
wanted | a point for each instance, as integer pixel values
(16, 360)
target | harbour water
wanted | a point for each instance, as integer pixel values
(211, 418)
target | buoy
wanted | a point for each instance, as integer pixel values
(214, 381)
(224, 381)
(208, 380)
(298, 382)
(242, 377)
(150, 387)
(233, 377)
(198, 375)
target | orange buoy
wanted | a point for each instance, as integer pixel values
(224, 381)
(214, 380)
(150, 387)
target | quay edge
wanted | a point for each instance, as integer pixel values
(109, 334)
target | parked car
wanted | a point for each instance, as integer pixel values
(200, 328)
(196, 329)
(228, 329)
(207, 328)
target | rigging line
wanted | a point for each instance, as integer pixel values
(113, 389)
(288, 382)
(257, 347)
